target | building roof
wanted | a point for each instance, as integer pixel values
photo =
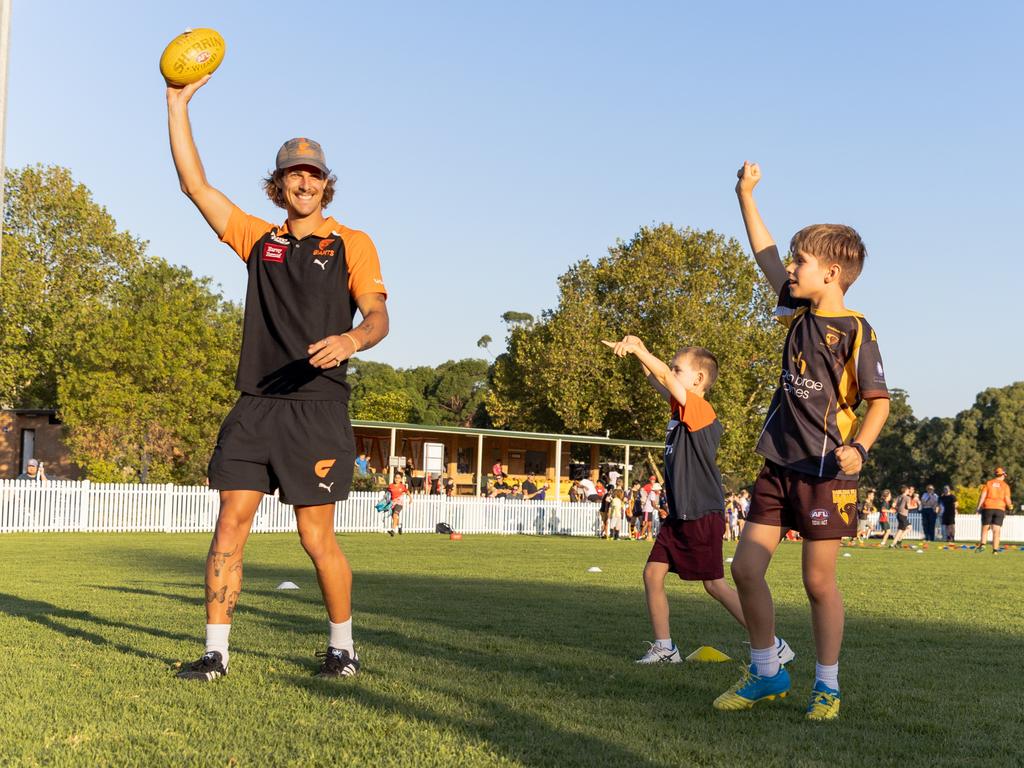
(588, 439)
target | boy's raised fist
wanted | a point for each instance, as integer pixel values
(748, 177)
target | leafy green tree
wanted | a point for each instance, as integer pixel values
(999, 416)
(451, 393)
(514, 319)
(395, 406)
(672, 288)
(152, 378)
(63, 259)
(892, 462)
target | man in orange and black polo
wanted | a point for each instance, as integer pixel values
(995, 501)
(289, 431)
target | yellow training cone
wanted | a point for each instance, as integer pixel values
(707, 653)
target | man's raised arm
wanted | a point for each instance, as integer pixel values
(215, 207)
(766, 253)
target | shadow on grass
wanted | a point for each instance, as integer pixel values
(54, 617)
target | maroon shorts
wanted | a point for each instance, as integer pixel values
(692, 549)
(817, 507)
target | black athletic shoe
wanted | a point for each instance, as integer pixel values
(209, 667)
(391, 532)
(399, 531)
(337, 663)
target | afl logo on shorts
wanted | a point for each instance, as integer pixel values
(272, 252)
(819, 517)
(323, 467)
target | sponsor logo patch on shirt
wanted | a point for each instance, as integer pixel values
(274, 252)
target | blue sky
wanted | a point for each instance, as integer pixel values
(486, 147)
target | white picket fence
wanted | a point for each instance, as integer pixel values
(28, 506)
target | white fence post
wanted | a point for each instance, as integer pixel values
(83, 507)
(168, 506)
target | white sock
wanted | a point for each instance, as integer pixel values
(765, 660)
(666, 643)
(341, 636)
(828, 674)
(217, 640)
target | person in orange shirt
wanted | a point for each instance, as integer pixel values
(993, 504)
(399, 501)
(290, 429)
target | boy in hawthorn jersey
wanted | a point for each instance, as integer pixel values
(812, 447)
(689, 542)
(289, 430)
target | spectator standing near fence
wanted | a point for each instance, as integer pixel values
(929, 511)
(993, 505)
(886, 510)
(635, 509)
(34, 470)
(744, 508)
(615, 509)
(902, 515)
(948, 504)
(864, 511)
(532, 491)
(399, 501)
(363, 464)
(652, 503)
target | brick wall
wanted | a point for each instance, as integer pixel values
(49, 445)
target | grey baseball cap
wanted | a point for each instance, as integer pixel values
(301, 152)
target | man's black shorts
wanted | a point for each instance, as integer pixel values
(902, 522)
(818, 508)
(992, 517)
(692, 549)
(305, 448)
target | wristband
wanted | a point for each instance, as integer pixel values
(352, 338)
(861, 450)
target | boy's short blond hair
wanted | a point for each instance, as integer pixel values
(703, 361)
(833, 244)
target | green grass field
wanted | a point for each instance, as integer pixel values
(489, 651)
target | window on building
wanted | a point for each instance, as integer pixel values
(536, 462)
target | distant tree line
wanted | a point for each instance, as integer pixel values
(139, 355)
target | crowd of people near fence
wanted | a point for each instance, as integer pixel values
(635, 510)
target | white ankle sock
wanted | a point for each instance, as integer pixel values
(765, 660)
(217, 640)
(341, 635)
(667, 643)
(828, 674)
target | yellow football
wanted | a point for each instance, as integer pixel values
(192, 55)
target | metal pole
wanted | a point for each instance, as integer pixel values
(625, 470)
(5, 44)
